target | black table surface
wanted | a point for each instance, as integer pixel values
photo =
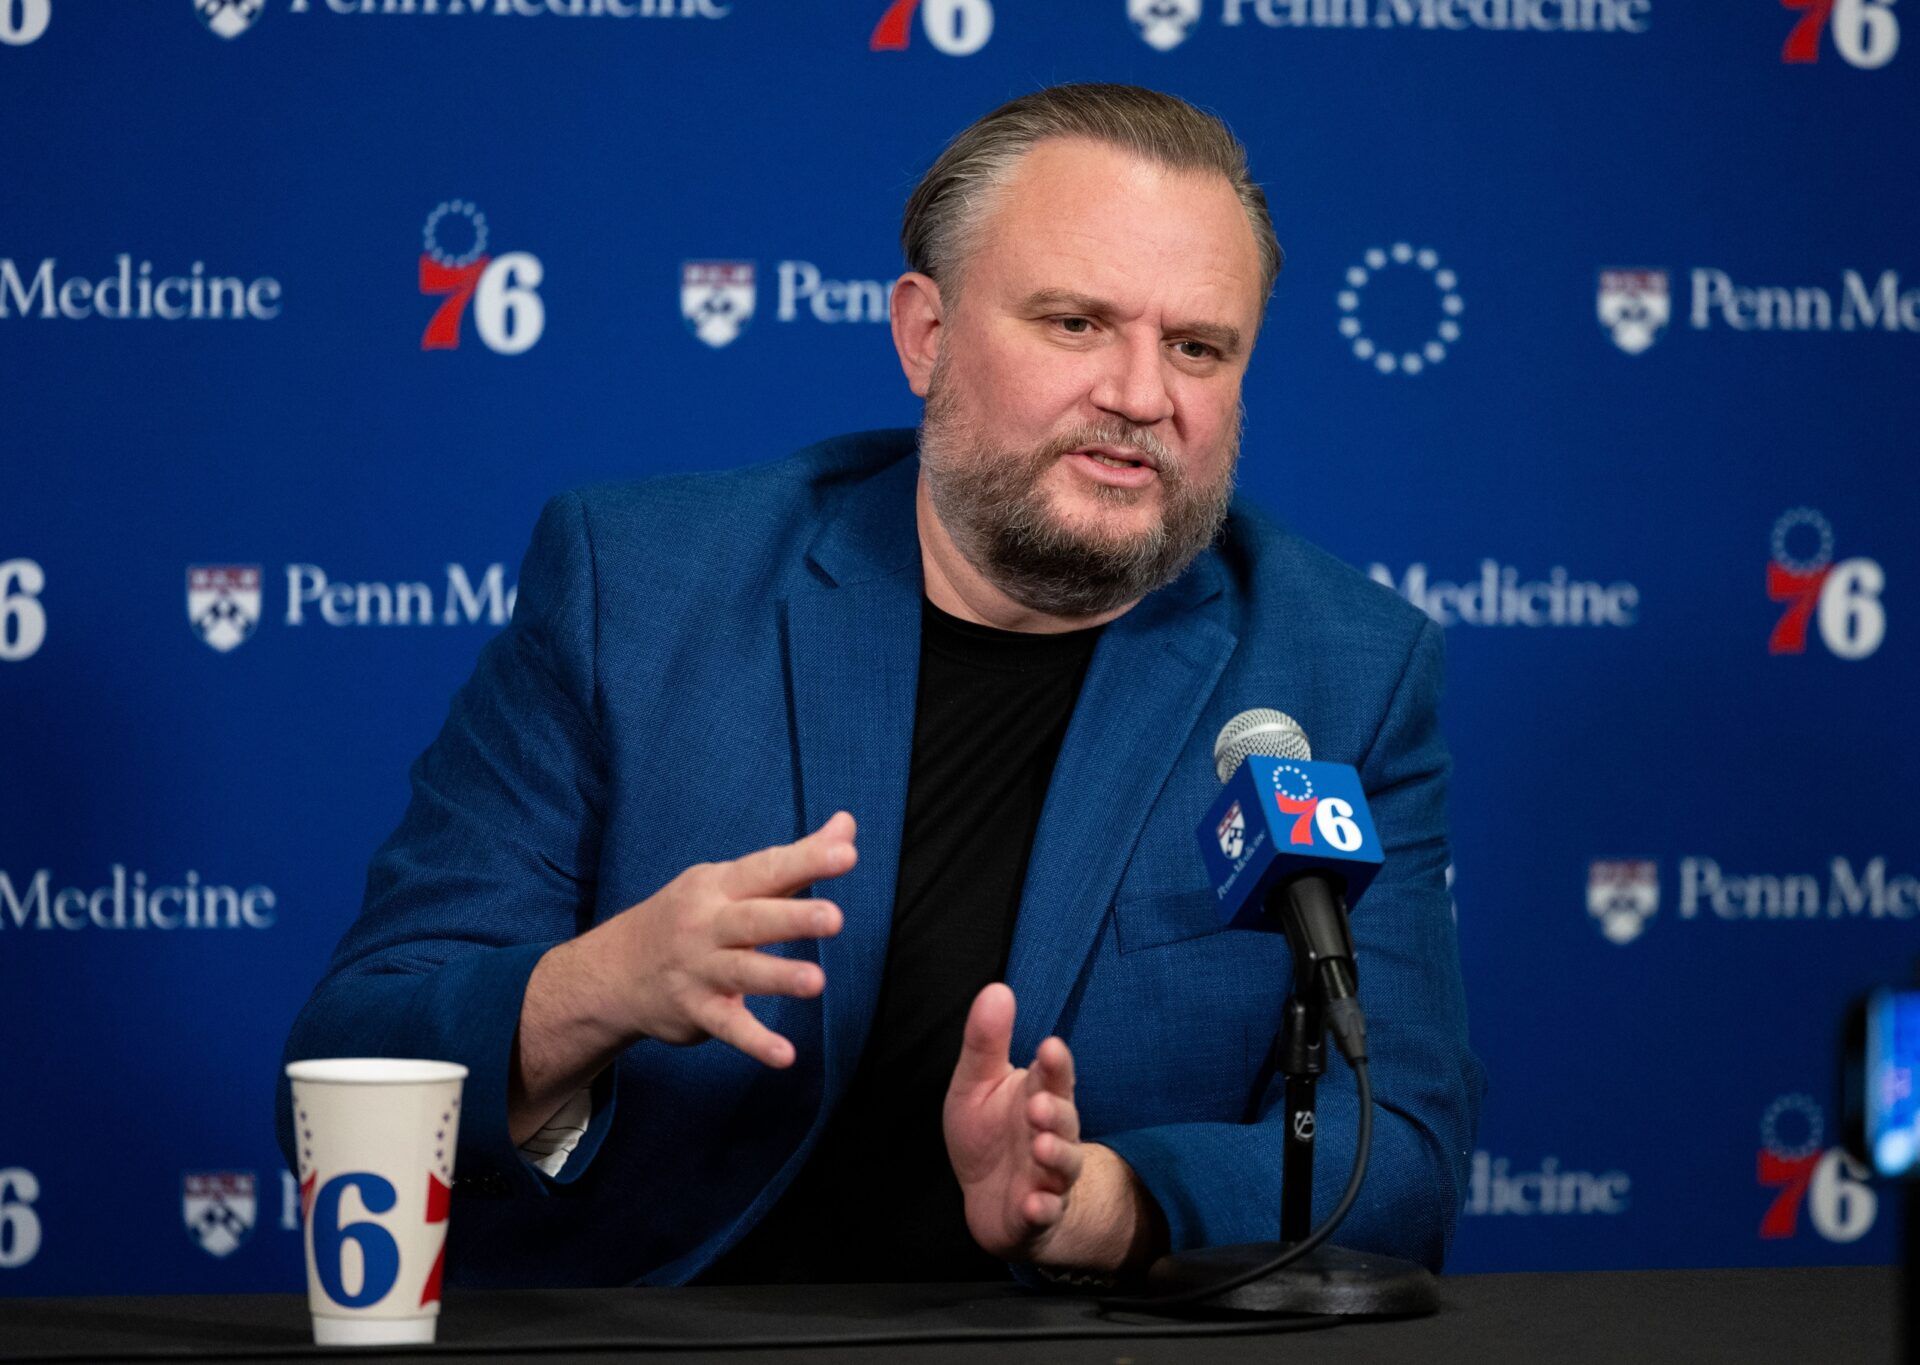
(1746, 1316)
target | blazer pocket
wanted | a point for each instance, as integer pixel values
(1169, 917)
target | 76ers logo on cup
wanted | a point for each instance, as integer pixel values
(716, 299)
(330, 1211)
(1330, 817)
(1843, 597)
(507, 311)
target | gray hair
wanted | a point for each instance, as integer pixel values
(946, 207)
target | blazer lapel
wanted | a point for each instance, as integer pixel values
(853, 654)
(1150, 676)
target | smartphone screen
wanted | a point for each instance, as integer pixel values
(1892, 1065)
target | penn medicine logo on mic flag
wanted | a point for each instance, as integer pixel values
(1233, 831)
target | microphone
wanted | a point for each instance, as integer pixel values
(1289, 844)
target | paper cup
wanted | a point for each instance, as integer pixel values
(376, 1140)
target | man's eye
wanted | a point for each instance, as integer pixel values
(1196, 350)
(1077, 326)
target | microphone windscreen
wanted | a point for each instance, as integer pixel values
(1259, 731)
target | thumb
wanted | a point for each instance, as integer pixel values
(988, 1036)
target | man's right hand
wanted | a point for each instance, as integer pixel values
(678, 967)
(683, 960)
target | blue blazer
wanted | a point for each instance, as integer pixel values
(699, 666)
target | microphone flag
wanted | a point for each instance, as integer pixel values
(1277, 818)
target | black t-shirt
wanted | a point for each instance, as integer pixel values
(877, 1199)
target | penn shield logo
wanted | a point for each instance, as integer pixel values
(1232, 831)
(1622, 895)
(1163, 24)
(223, 604)
(1634, 306)
(228, 18)
(717, 299)
(1400, 308)
(219, 1209)
(1842, 598)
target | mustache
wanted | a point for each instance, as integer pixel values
(1113, 434)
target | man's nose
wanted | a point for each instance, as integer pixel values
(1133, 384)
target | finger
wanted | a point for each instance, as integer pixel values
(1042, 1208)
(1049, 1113)
(736, 1026)
(1054, 1063)
(1054, 1154)
(786, 868)
(761, 920)
(984, 1044)
(741, 971)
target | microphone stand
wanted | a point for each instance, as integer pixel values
(1329, 1279)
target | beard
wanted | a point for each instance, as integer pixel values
(994, 507)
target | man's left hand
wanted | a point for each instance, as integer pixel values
(1034, 1191)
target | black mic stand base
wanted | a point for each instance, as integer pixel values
(1328, 1280)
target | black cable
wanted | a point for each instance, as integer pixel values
(1362, 1150)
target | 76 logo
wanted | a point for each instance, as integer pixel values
(1794, 1160)
(1866, 33)
(958, 28)
(1843, 597)
(507, 312)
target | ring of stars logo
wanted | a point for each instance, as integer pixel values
(1790, 522)
(1445, 333)
(440, 1142)
(430, 235)
(1810, 1114)
(1300, 773)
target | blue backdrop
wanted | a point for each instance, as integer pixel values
(1598, 336)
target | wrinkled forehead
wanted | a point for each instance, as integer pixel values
(1089, 217)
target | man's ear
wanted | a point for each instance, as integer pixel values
(915, 311)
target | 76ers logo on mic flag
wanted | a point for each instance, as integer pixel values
(1279, 817)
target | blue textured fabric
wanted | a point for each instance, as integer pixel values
(699, 666)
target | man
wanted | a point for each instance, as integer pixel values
(1008, 660)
